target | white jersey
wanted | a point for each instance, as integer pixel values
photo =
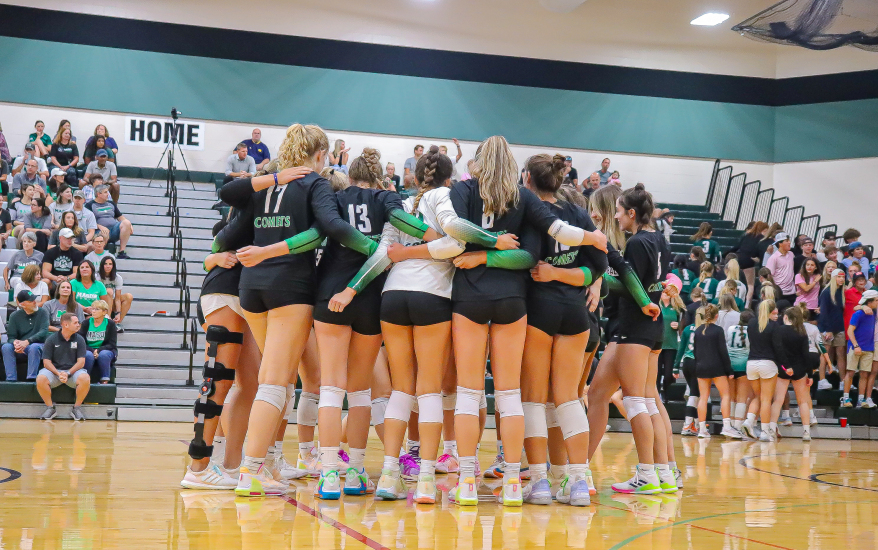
(417, 275)
(814, 338)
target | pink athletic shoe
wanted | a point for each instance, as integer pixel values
(409, 467)
(447, 464)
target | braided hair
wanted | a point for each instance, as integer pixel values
(432, 170)
(367, 168)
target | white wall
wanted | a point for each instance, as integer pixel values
(674, 180)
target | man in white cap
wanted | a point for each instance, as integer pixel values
(61, 262)
(861, 351)
(781, 266)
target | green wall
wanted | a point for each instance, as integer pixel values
(213, 89)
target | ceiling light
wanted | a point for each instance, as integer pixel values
(710, 19)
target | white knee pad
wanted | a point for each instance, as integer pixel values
(362, 398)
(534, 420)
(483, 402)
(634, 406)
(291, 401)
(306, 411)
(572, 418)
(379, 408)
(330, 396)
(430, 405)
(651, 406)
(400, 406)
(273, 395)
(449, 400)
(508, 403)
(468, 401)
(692, 401)
(551, 416)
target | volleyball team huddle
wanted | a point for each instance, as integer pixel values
(312, 274)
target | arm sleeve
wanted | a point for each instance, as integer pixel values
(305, 241)
(237, 192)
(522, 258)
(630, 284)
(445, 248)
(377, 262)
(407, 223)
(110, 338)
(457, 227)
(326, 211)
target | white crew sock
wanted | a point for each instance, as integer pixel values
(727, 423)
(467, 467)
(751, 419)
(538, 472)
(357, 458)
(557, 471)
(702, 426)
(253, 464)
(391, 463)
(512, 470)
(279, 447)
(577, 471)
(673, 465)
(219, 449)
(305, 449)
(449, 447)
(329, 459)
(428, 467)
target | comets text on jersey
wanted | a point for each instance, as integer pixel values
(271, 221)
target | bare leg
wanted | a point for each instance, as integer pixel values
(660, 448)
(507, 348)
(433, 350)
(469, 342)
(400, 346)
(535, 367)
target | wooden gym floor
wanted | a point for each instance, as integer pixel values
(108, 485)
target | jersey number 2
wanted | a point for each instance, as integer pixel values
(360, 211)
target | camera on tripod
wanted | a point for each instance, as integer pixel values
(175, 114)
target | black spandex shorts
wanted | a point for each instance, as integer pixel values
(500, 312)
(414, 309)
(594, 337)
(363, 314)
(557, 318)
(255, 300)
(651, 344)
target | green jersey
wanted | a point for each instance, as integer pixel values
(711, 250)
(710, 286)
(670, 315)
(687, 277)
(686, 350)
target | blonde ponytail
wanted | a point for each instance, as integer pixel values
(765, 309)
(300, 144)
(497, 173)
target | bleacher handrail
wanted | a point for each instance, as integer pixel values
(193, 348)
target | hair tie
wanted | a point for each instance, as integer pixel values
(275, 179)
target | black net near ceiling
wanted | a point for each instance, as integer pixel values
(816, 24)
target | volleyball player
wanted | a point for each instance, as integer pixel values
(634, 335)
(713, 367)
(276, 288)
(685, 362)
(739, 350)
(796, 370)
(706, 282)
(558, 329)
(489, 288)
(766, 351)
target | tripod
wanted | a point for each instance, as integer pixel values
(169, 150)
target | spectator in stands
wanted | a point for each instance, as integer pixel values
(857, 254)
(99, 333)
(63, 302)
(80, 240)
(64, 363)
(808, 286)
(119, 299)
(107, 170)
(593, 184)
(61, 262)
(91, 183)
(95, 144)
(826, 272)
(688, 278)
(411, 162)
(614, 179)
(455, 176)
(338, 157)
(41, 140)
(37, 221)
(65, 155)
(4, 148)
(99, 252)
(88, 286)
(32, 280)
(806, 250)
(696, 259)
(780, 264)
(828, 254)
(21, 259)
(861, 348)
(30, 175)
(5, 178)
(65, 125)
(26, 329)
(110, 220)
(21, 205)
(831, 322)
(5, 223)
(59, 204)
(665, 225)
(109, 143)
(570, 171)
(239, 164)
(851, 236)
(85, 216)
(391, 178)
(604, 172)
(766, 245)
(410, 188)
(747, 251)
(258, 150)
(30, 152)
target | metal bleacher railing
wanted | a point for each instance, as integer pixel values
(181, 271)
(742, 202)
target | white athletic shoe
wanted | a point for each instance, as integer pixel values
(869, 404)
(678, 477)
(466, 493)
(425, 490)
(785, 420)
(748, 430)
(391, 486)
(211, 477)
(644, 482)
(806, 435)
(287, 470)
(258, 484)
(510, 492)
(310, 463)
(824, 385)
(703, 433)
(732, 432)
(689, 430)
(767, 436)
(813, 419)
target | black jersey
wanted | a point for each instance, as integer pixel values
(558, 255)
(528, 220)
(367, 210)
(228, 236)
(648, 255)
(278, 213)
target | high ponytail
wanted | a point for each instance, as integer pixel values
(367, 168)
(432, 170)
(546, 173)
(300, 144)
(765, 309)
(640, 200)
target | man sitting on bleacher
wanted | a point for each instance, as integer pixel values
(64, 363)
(110, 220)
(27, 329)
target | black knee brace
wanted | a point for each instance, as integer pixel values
(205, 408)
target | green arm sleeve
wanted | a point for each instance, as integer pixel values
(353, 239)
(374, 266)
(681, 350)
(588, 276)
(468, 232)
(820, 347)
(215, 247)
(407, 223)
(511, 259)
(628, 285)
(304, 241)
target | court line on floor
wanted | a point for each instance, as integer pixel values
(632, 538)
(356, 535)
(723, 533)
(816, 478)
(813, 478)
(13, 475)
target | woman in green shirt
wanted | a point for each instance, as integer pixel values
(99, 333)
(686, 356)
(710, 247)
(686, 277)
(707, 283)
(41, 139)
(672, 307)
(88, 289)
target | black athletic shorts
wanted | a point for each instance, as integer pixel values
(414, 309)
(500, 312)
(594, 337)
(563, 319)
(363, 314)
(651, 344)
(256, 300)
